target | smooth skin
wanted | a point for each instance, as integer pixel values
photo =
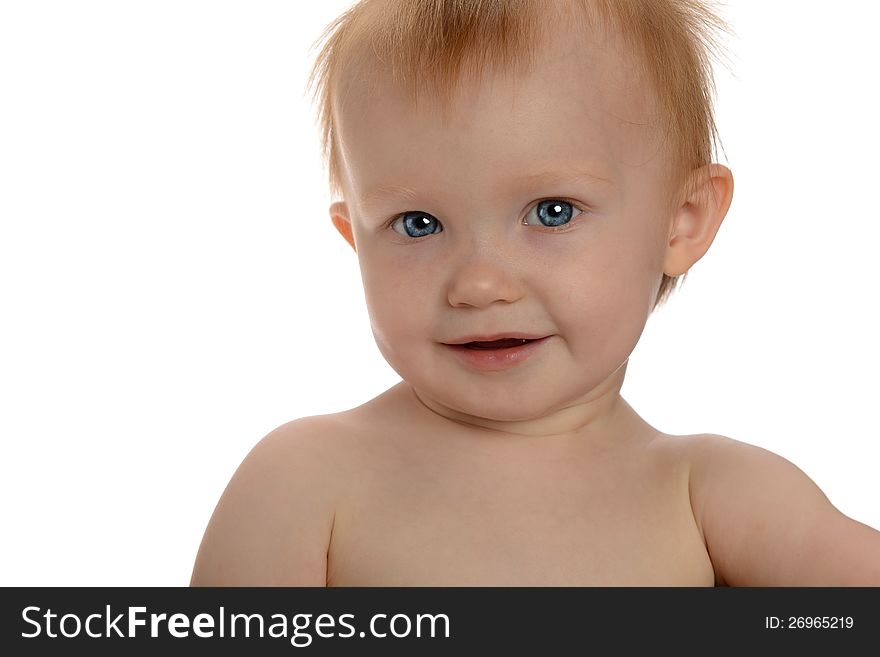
(541, 474)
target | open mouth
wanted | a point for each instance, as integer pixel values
(504, 343)
(497, 355)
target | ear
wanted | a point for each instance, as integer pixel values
(696, 221)
(339, 215)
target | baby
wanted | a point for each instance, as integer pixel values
(524, 182)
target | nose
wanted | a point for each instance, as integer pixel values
(482, 279)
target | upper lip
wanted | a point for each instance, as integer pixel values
(496, 336)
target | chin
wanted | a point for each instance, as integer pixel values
(498, 405)
(502, 397)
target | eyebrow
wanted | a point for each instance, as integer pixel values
(533, 180)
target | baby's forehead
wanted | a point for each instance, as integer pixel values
(565, 50)
(582, 90)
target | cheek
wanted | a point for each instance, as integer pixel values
(397, 297)
(604, 298)
(606, 321)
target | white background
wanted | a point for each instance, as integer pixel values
(171, 288)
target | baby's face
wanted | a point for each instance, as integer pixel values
(538, 210)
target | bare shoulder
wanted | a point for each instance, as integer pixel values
(272, 525)
(765, 522)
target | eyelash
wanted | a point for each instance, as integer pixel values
(551, 229)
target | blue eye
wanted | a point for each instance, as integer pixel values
(553, 213)
(416, 224)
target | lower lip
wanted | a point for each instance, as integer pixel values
(493, 360)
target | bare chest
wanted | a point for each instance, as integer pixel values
(517, 523)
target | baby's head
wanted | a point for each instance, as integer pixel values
(520, 168)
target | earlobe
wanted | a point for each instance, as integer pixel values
(339, 216)
(696, 221)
